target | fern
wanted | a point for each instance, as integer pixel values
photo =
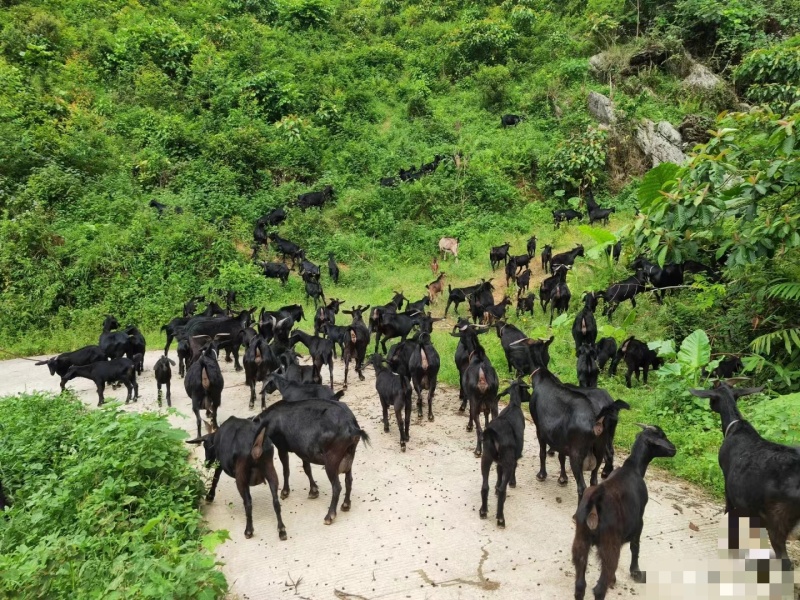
(790, 337)
(786, 290)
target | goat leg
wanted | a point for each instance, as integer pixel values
(562, 477)
(243, 485)
(608, 548)
(580, 555)
(542, 474)
(486, 467)
(431, 388)
(348, 487)
(398, 410)
(333, 475)
(284, 456)
(503, 476)
(637, 575)
(313, 490)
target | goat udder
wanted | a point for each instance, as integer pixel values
(482, 383)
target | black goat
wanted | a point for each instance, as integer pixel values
(497, 254)
(600, 214)
(525, 304)
(118, 370)
(559, 300)
(762, 478)
(311, 199)
(259, 361)
(503, 440)
(584, 328)
(670, 276)
(419, 305)
(113, 343)
(523, 281)
(292, 391)
(479, 381)
(468, 344)
(587, 367)
(566, 259)
(136, 347)
(615, 251)
(59, 365)
(275, 270)
(319, 432)
(274, 217)
(173, 328)
(338, 334)
(606, 349)
(728, 368)
(393, 326)
(326, 314)
(204, 383)
(286, 248)
(570, 421)
(355, 347)
(627, 289)
(294, 371)
(510, 120)
(242, 449)
(612, 514)
(393, 390)
(559, 216)
(458, 295)
(638, 357)
(418, 359)
(314, 291)
(333, 269)
(163, 375)
(547, 256)
(549, 285)
(320, 349)
(228, 330)
(531, 246)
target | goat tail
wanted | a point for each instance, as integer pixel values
(364, 437)
(587, 514)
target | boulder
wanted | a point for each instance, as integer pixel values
(694, 130)
(652, 56)
(601, 108)
(701, 78)
(660, 142)
(600, 65)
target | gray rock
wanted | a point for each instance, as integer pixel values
(701, 78)
(660, 143)
(599, 64)
(601, 108)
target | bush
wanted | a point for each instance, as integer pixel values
(105, 505)
(579, 161)
(492, 84)
(770, 76)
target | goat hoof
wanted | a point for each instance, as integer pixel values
(402, 446)
(482, 513)
(541, 476)
(512, 484)
(386, 429)
(462, 408)
(430, 417)
(282, 534)
(248, 534)
(209, 497)
(501, 523)
(328, 519)
(478, 453)
(562, 481)
(238, 369)
(361, 378)
(312, 493)
(251, 406)
(285, 493)
(346, 505)
(639, 576)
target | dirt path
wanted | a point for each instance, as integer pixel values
(413, 531)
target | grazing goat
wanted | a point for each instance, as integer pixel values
(762, 478)
(393, 390)
(547, 257)
(503, 440)
(435, 287)
(274, 217)
(355, 347)
(59, 365)
(510, 120)
(638, 357)
(286, 248)
(497, 254)
(600, 214)
(584, 328)
(419, 305)
(728, 368)
(548, 286)
(612, 514)
(587, 365)
(670, 276)
(627, 289)
(559, 300)
(118, 370)
(567, 215)
(448, 245)
(319, 432)
(163, 375)
(311, 199)
(204, 382)
(274, 270)
(333, 269)
(241, 448)
(606, 349)
(526, 304)
(480, 383)
(496, 312)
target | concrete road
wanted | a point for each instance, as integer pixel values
(413, 531)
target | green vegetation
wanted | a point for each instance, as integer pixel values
(228, 109)
(101, 507)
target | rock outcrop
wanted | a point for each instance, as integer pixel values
(601, 108)
(660, 142)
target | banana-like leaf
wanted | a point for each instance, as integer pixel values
(695, 350)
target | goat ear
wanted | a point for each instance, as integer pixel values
(739, 392)
(704, 393)
(258, 445)
(172, 362)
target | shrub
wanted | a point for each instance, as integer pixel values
(578, 161)
(105, 494)
(770, 76)
(492, 84)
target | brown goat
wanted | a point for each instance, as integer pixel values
(435, 266)
(436, 287)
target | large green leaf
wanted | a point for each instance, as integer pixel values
(654, 181)
(695, 350)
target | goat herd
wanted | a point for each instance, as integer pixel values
(576, 422)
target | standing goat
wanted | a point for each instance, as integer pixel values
(612, 514)
(393, 390)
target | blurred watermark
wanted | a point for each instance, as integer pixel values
(745, 568)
